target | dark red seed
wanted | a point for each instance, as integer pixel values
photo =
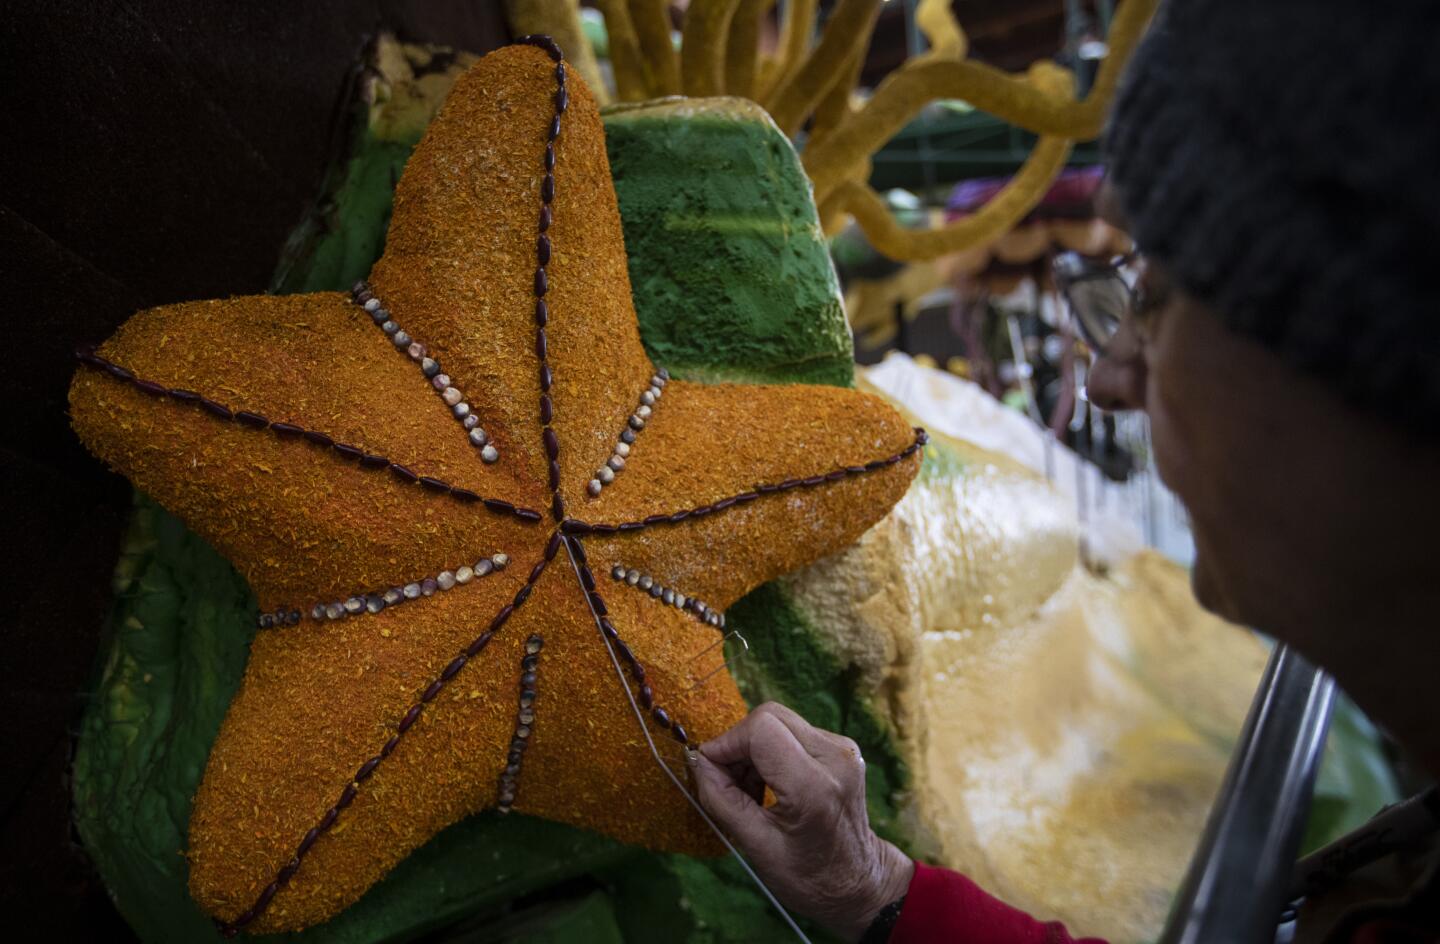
(464, 494)
(308, 841)
(495, 504)
(279, 429)
(623, 651)
(266, 896)
(319, 439)
(542, 313)
(678, 733)
(522, 595)
(546, 378)
(578, 550)
(656, 519)
(544, 219)
(598, 604)
(855, 470)
(574, 526)
(542, 282)
(647, 697)
(190, 396)
(549, 157)
(404, 472)
(119, 372)
(287, 873)
(701, 511)
(527, 514)
(542, 345)
(372, 461)
(501, 617)
(349, 452)
(251, 419)
(542, 250)
(218, 409)
(587, 580)
(608, 628)
(431, 691)
(875, 466)
(151, 387)
(552, 547)
(85, 353)
(638, 670)
(456, 664)
(627, 526)
(894, 460)
(791, 483)
(539, 567)
(530, 662)
(390, 746)
(552, 443)
(411, 716)
(812, 480)
(328, 819)
(478, 646)
(547, 186)
(562, 101)
(723, 503)
(604, 528)
(347, 796)
(679, 516)
(662, 717)
(747, 497)
(434, 484)
(547, 409)
(554, 127)
(366, 769)
(921, 436)
(554, 475)
(560, 72)
(557, 507)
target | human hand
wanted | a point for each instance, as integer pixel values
(814, 847)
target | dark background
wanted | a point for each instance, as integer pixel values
(154, 151)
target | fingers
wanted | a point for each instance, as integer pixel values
(818, 743)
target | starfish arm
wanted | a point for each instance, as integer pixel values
(472, 232)
(301, 521)
(705, 444)
(428, 689)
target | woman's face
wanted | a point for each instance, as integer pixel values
(1243, 441)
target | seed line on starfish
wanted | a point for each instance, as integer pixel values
(543, 251)
(364, 296)
(367, 769)
(576, 554)
(645, 583)
(257, 422)
(616, 463)
(524, 723)
(379, 600)
(577, 526)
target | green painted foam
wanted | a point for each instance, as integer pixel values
(731, 275)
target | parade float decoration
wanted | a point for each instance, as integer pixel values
(858, 642)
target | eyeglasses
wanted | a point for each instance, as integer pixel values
(1098, 295)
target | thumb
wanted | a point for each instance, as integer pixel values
(734, 809)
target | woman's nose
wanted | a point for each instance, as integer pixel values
(1117, 384)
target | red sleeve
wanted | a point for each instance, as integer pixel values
(941, 905)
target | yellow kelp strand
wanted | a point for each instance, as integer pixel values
(795, 31)
(702, 48)
(625, 57)
(742, 47)
(560, 20)
(651, 19)
(848, 29)
(937, 21)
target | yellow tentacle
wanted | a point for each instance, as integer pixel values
(560, 20)
(742, 47)
(795, 30)
(847, 30)
(702, 48)
(625, 58)
(651, 19)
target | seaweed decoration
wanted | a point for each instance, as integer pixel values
(812, 76)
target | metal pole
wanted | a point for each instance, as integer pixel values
(1239, 878)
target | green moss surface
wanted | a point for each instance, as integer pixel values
(731, 275)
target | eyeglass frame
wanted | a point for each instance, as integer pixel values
(1071, 268)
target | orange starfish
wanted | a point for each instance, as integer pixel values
(371, 462)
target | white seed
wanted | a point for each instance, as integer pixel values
(668, 596)
(642, 411)
(471, 421)
(416, 351)
(500, 560)
(451, 395)
(632, 576)
(605, 474)
(594, 487)
(478, 437)
(622, 449)
(616, 463)
(645, 581)
(647, 398)
(483, 566)
(445, 579)
(464, 574)
(411, 591)
(618, 571)
(490, 454)
(335, 610)
(354, 605)
(679, 601)
(372, 304)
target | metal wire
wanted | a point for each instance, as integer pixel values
(645, 730)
